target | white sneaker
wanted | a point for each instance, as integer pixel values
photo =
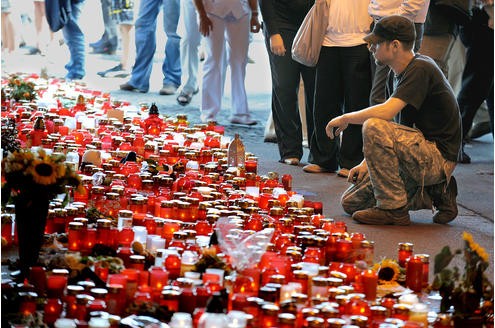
(243, 120)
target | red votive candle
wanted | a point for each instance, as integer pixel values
(251, 165)
(414, 273)
(405, 250)
(158, 278)
(369, 281)
(52, 310)
(343, 250)
(55, 285)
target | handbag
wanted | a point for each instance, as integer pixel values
(309, 38)
(57, 13)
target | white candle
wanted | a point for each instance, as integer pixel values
(140, 234)
(157, 243)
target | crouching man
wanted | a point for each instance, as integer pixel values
(407, 165)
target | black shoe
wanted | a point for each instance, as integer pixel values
(463, 157)
(378, 216)
(128, 87)
(444, 200)
(479, 130)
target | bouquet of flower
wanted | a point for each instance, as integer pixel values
(463, 290)
(20, 89)
(25, 171)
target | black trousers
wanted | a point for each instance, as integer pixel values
(343, 84)
(286, 74)
(477, 78)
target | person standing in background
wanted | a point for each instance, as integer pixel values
(281, 21)
(109, 41)
(123, 15)
(8, 31)
(189, 51)
(74, 38)
(414, 10)
(146, 47)
(477, 78)
(226, 25)
(440, 33)
(343, 84)
(41, 29)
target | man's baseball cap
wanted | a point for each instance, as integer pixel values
(391, 28)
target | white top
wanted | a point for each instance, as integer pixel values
(348, 23)
(233, 9)
(415, 10)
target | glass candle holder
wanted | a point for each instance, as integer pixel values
(158, 278)
(369, 281)
(414, 273)
(343, 250)
(405, 250)
(55, 285)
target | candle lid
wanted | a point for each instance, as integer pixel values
(405, 246)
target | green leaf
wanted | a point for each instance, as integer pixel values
(443, 259)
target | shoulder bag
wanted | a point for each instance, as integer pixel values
(309, 38)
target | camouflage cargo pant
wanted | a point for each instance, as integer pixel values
(400, 163)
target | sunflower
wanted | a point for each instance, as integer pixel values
(388, 271)
(43, 172)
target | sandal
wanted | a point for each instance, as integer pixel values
(184, 98)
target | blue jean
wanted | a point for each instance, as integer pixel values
(74, 38)
(146, 43)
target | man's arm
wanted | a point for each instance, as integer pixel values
(385, 111)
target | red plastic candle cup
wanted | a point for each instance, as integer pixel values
(405, 250)
(63, 130)
(263, 200)
(369, 281)
(52, 310)
(318, 207)
(55, 286)
(414, 273)
(251, 166)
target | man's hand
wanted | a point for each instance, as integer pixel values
(357, 173)
(277, 45)
(205, 25)
(255, 24)
(339, 123)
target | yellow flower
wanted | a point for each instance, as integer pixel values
(61, 169)
(44, 173)
(467, 237)
(388, 271)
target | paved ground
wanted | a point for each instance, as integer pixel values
(475, 180)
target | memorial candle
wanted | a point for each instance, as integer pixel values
(405, 250)
(414, 273)
(55, 285)
(369, 280)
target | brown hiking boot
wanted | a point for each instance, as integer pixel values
(375, 215)
(444, 201)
